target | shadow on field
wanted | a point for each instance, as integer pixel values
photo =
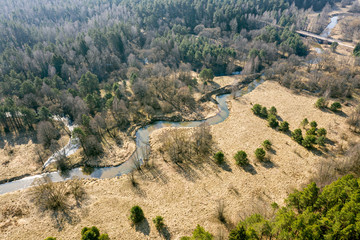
(143, 227)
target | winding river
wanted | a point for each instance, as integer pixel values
(142, 143)
(327, 31)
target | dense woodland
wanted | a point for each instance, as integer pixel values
(50, 53)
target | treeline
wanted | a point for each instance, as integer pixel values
(330, 213)
(130, 60)
(313, 213)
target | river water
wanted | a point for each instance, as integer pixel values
(327, 31)
(142, 143)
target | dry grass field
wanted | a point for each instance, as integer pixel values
(187, 195)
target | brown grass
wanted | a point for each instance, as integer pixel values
(187, 195)
(19, 155)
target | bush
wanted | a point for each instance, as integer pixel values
(206, 75)
(284, 126)
(257, 109)
(273, 122)
(93, 233)
(311, 131)
(264, 112)
(320, 141)
(273, 110)
(241, 158)
(356, 51)
(219, 157)
(238, 233)
(199, 234)
(159, 222)
(313, 124)
(50, 196)
(50, 238)
(137, 214)
(104, 236)
(321, 132)
(304, 122)
(260, 154)
(321, 103)
(297, 136)
(335, 106)
(267, 145)
(308, 141)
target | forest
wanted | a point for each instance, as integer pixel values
(113, 66)
(50, 52)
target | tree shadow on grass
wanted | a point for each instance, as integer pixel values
(268, 164)
(316, 151)
(63, 217)
(186, 171)
(226, 167)
(135, 187)
(164, 232)
(272, 151)
(329, 141)
(17, 138)
(250, 169)
(143, 227)
(341, 114)
(156, 174)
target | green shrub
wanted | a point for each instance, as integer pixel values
(313, 124)
(311, 131)
(304, 122)
(50, 238)
(321, 132)
(335, 106)
(321, 141)
(257, 109)
(308, 141)
(356, 51)
(219, 157)
(273, 122)
(273, 111)
(92, 233)
(241, 158)
(199, 234)
(206, 74)
(297, 136)
(329, 212)
(238, 233)
(264, 112)
(159, 222)
(284, 126)
(104, 236)
(137, 214)
(260, 154)
(267, 145)
(333, 46)
(321, 103)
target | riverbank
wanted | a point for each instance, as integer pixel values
(20, 155)
(115, 155)
(189, 195)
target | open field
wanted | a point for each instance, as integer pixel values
(188, 195)
(19, 155)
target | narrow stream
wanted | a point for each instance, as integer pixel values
(327, 31)
(142, 143)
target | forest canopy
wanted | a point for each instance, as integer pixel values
(78, 58)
